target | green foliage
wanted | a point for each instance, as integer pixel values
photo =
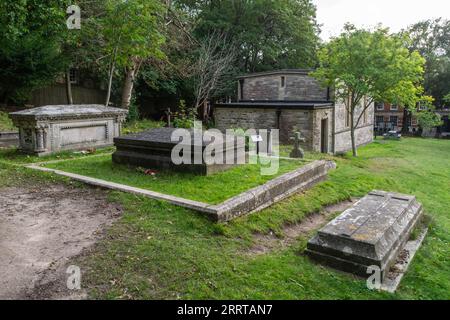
(362, 63)
(268, 34)
(428, 119)
(31, 35)
(141, 125)
(432, 39)
(447, 99)
(131, 28)
(6, 123)
(184, 117)
(366, 66)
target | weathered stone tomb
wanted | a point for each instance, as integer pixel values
(50, 129)
(371, 233)
(153, 149)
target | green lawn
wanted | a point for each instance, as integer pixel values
(160, 251)
(212, 189)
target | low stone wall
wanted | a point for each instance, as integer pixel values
(274, 191)
(251, 201)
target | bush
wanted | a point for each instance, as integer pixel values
(184, 117)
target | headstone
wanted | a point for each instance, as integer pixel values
(297, 152)
(153, 149)
(55, 128)
(371, 233)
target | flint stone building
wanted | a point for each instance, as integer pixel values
(291, 100)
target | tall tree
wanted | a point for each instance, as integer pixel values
(31, 36)
(266, 34)
(432, 39)
(366, 66)
(131, 34)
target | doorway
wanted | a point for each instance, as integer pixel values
(324, 136)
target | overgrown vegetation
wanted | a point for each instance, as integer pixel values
(6, 123)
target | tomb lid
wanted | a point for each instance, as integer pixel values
(373, 226)
(163, 136)
(68, 111)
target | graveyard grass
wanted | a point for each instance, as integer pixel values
(208, 189)
(160, 251)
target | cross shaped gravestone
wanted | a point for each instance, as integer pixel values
(297, 152)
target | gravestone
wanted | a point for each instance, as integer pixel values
(371, 233)
(55, 128)
(153, 149)
(297, 152)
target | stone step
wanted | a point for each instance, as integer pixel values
(371, 233)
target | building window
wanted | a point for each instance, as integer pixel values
(394, 107)
(379, 106)
(73, 76)
(422, 106)
(283, 82)
(379, 120)
(393, 120)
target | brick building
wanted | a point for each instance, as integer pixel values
(392, 117)
(291, 100)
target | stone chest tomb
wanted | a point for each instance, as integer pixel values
(55, 128)
(371, 233)
(153, 149)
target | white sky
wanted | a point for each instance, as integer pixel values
(395, 14)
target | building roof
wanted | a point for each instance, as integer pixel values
(274, 72)
(301, 105)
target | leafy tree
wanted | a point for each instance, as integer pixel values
(266, 34)
(131, 34)
(366, 66)
(432, 39)
(31, 37)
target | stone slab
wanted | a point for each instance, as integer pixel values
(370, 233)
(153, 149)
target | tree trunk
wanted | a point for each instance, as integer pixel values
(352, 134)
(111, 74)
(68, 88)
(108, 92)
(405, 121)
(127, 90)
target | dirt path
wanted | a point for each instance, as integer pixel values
(265, 243)
(41, 229)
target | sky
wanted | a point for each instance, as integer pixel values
(395, 14)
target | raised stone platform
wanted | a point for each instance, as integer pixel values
(55, 128)
(153, 149)
(371, 233)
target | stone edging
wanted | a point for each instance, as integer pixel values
(7, 135)
(253, 200)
